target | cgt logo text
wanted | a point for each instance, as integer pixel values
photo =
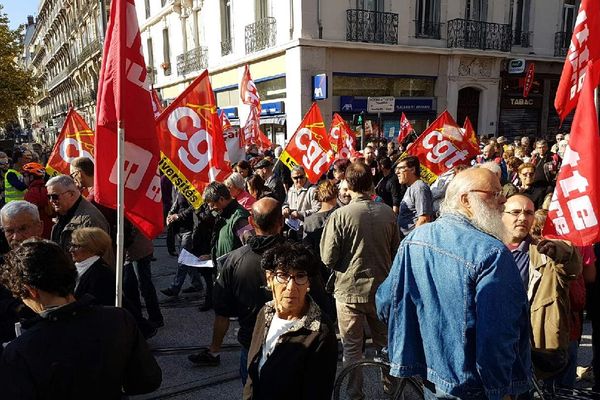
(314, 157)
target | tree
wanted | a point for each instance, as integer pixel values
(16, 83)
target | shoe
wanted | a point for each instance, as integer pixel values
(204, 358)
(191, 289)
(169, 292)
(158, 323)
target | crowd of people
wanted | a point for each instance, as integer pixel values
(454, 279)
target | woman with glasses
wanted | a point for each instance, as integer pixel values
(536, 191)
(293, 354)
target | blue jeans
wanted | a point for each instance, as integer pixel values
(179, 279)
(244, 365)
(140, 271)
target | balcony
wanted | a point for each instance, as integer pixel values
(428, 30)
(521, 38)
(562, 40)
(191, 61)
(261, 35)
(371, 27)
(480, 35)
(226, 47)
(92, 48)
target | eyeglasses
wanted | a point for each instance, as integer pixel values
(301, 278)
(495, 195)
(402, 168)
(297, 178)
(73, 174)
(55, 196)
(74, 246)
(516, 213)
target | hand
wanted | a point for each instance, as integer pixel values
(547, 247)
(205, 257)
(286, 212)
(294, 215)
(172, 218)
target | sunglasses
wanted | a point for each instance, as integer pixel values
(297, 178)
(56, 196)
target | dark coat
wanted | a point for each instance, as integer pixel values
(78, 351)
(303, 363)
(98, 281)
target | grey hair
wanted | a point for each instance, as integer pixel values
(492, 166)
(18, 207)
(298, 168)
(64, 181)
(236, 180)
(458, 186)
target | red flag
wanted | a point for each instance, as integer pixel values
(252, 132)
(405, 129)
(248, 92)
(573, 212)
(470, 137)
(191, 141)
(528, 79)
(76, 139)
(341, 138)
(157, 106)
(124, 97)
(309, 146)
(584, 48)
(440, 147)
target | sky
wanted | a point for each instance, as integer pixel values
(18, 10)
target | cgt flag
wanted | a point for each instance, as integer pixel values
(405, 129)
(471, 139)
(309, 147)
(584, 48)
(124, 98)
(573, 211)
(341, 138)
(440, 147)
(157, 106)
(191, 141)
(76, 139)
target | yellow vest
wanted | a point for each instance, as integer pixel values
(11, 193)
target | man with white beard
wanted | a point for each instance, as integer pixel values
(456, 308)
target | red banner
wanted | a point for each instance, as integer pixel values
(248, 92)
(471, 139)
(191, 141)
(341, 138)
(124, 99)
(405, 129)
(157, 106)
(252, 133)
(309, 147)
(584, 48)
(572, 214)
(528, 80)
(440, 147)
(76, 139)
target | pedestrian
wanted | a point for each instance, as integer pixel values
(33, 174)
(416, 207)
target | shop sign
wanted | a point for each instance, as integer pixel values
(231, 112)
(380, 104)
(320, 87)
(272, 108)
(520, 102)
(419, 104)
(516, 66)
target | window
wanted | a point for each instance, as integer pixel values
(520, 21)
(476, 10)
(427, 22)
(568, 16)
(225, 20)
(150, 52)
(369, 5)
(166, 65)
(344, 85)
(147, 7)
(263, 9)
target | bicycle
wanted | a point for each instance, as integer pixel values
(377, 383)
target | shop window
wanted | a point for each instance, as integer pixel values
(476, 10)
(364, 86)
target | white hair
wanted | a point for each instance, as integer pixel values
(19, 207)
(459, 185)
(236, 180)
(492, 166)
(64, 181)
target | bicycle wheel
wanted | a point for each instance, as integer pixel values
(370, 379)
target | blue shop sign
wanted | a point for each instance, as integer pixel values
(272, 108)
(401, 104)
(320, 87)
(231, 112)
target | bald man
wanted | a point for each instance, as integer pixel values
(456, 308)
(239, 287)
(547, 267)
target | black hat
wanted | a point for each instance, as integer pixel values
(264, 163)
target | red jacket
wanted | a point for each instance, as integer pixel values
(38, 195)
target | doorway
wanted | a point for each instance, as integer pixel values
(468, 106)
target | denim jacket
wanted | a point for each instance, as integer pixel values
(457, 312)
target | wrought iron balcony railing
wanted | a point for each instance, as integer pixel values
(193, 60)
(561, 43)
(427, 29)
(226, 47)
(371, 26)
(522, 38)
(261, 35)
(469, 34)
(95, 46)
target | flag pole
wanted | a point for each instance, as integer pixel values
(120, 213)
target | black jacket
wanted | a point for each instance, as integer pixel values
(303, 363)
(78, 351)
(240, 287)
(98, 281)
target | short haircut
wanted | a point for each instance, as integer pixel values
(385, 162)
(341, 164)
(214, 191)
(287, 256)
(84, 165)
(93, 239)
(514, 162)
(256, 184)
(268, 221)
(64, 181)
(526, 165)
(538, 223)
(359, 177)
(541, 142)
(327, 191)
(299, 168)
(236, 180)
(244, 165)
(18, 207)
(412, 162)
(41, 264)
